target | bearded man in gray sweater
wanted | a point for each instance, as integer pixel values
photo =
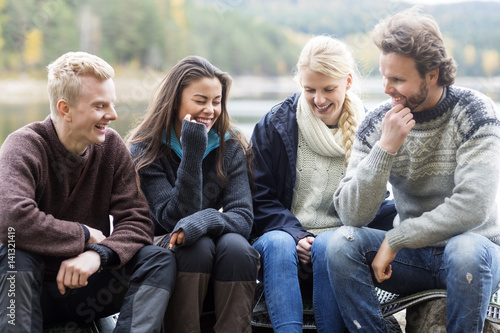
(439, 147)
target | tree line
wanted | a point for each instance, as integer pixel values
(251, 37)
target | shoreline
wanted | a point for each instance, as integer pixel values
(139, 90)
(29, 90)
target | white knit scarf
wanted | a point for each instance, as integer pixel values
(318, 136)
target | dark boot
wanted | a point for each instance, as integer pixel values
(233, 306)
(151, 273)
(186, 303)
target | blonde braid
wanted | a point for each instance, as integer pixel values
(348, 125)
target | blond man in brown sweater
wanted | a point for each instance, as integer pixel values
(61, 180)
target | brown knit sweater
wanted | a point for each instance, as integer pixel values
(37, 175)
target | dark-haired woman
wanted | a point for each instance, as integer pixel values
(192, 165)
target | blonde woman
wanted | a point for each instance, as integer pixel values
(301, 148)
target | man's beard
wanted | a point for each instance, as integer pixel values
(415, 101)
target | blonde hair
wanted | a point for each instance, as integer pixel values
(64, 76)
(331, 57)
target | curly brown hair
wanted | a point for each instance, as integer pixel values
(415, 34)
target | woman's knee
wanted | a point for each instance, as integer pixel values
(234, 247)
(197, 257)
(277, 244)
(236, 259)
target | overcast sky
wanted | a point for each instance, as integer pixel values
(430, 2)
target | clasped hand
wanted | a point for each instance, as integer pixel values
(304, 249)
(74, 272)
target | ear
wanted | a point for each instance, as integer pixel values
(433, 76)
(63, 109)
(349, 82)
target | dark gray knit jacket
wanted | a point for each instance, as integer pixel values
(187, 193)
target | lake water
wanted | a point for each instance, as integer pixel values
(245, 113)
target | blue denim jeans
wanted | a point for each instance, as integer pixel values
(467, 267)
(281, 277)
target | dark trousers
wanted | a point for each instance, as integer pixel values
(230, 265)
(140, 291)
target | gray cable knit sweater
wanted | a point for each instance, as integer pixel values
(445, 177)
(187, 193)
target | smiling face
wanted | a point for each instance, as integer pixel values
(202, 100)
(404, 84)
(86, 121)
(324, 95)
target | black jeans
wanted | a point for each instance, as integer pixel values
(140, 291)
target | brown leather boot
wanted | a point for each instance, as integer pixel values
(186, 303)
(233, 306)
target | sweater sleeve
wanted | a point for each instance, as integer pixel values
(236, 215)
(174, 195)
(270, 212)
(364, 187)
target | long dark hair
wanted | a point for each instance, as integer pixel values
(164, 109)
